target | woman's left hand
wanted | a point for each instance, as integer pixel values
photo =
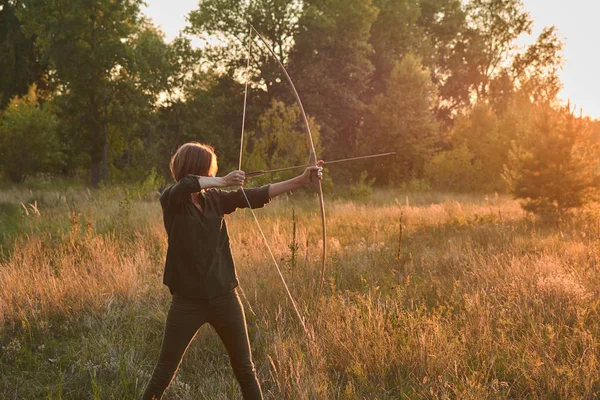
(313, 172)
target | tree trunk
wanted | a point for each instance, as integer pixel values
(95, 173)
(105, 154)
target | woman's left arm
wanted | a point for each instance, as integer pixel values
(258, 197)
(312, 172)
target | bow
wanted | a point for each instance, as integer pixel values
(312, 161)
(316, 183)
(312, 158)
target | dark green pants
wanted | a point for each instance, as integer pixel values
(186, 316)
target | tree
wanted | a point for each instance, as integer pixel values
(224, 26)
(480, 130)
(430, 29)
(494, 65)
(393, 35)
(330, 65)
(401, 119)
(535, 71)
(279, 140)
(211, 113)
(554, 167)
(154, 73)
(28, 139)
(19, 58)
(454, 170)
(85, 45)
(471, 49)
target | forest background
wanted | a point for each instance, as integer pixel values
(91, 92)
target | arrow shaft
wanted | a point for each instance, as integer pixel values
(254, 174)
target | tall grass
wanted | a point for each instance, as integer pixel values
(480, 301)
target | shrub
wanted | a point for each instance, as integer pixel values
(28, 139)
(363, 187)
(553, 168)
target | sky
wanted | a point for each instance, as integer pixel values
(577, 22)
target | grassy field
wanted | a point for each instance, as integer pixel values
(427, 296)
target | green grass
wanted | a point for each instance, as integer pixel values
(11, 217)
(441, 296)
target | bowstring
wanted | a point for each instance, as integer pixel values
(245, 96)
(246, 197)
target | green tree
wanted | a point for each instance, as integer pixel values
(554, 166)
(228, 21)
(431, 29)
(154, 75)
(454, 170)
(330, 65)
(85, 44)
(480, 131)
(401, 119)
(494, 66)
(217, 96)
(211, 112)
(28, 139)
(496, 24)
(19, 58)
(393, 35)
(535, 71)
(280, 140)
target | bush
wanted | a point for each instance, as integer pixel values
(28, 139)
(363, 187)
(554, 167)
(452, 170)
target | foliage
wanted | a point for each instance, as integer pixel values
(227, 21)
(28, 139)
(479, 144)
(438, 81)
(211, 113)
(497, 24)
(480, 150)
(431, 30)
(403, 123)
(453, 170)
(486, 64)
(554, 166)
(19, 58)
(98, 35)
(363, 187)
(416, 186)
(330, 63)
(280, 141)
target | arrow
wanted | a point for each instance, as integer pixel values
(254, 174)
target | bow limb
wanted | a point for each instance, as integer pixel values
(250, 205)
(312, 159)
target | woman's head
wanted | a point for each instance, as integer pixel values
(193, 158)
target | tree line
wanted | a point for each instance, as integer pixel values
(444, 83)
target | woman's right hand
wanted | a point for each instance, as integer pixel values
(235, 178)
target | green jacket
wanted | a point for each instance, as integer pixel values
(199, 262)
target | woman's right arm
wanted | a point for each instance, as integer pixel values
(235, 178)
(174, 195)
(189, 184)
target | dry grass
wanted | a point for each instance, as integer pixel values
(479, 302)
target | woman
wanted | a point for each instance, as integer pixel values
(199, 268)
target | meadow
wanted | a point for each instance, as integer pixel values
(427, 296)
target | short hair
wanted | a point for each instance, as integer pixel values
(193, 158)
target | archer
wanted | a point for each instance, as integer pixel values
(199, 268)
